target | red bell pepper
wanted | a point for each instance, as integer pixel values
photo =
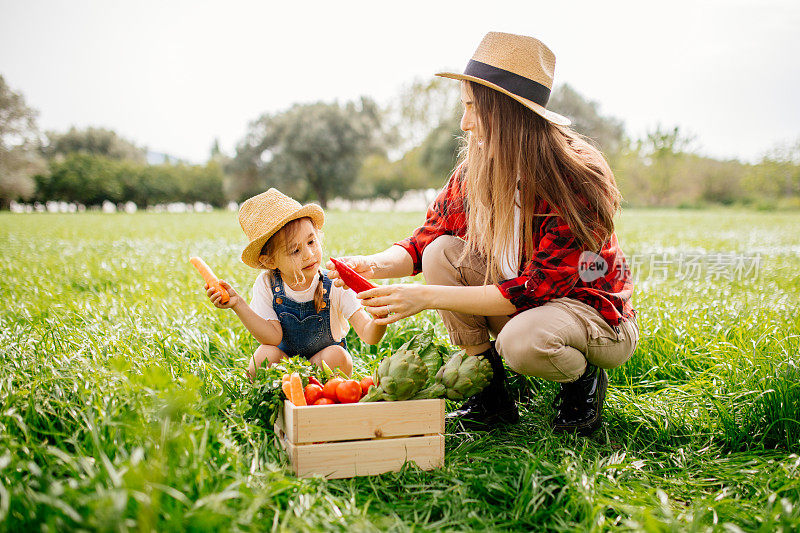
(351, 278)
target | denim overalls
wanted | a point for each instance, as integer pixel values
(305, 331)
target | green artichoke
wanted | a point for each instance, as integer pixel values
(462, 376)
(398, 377)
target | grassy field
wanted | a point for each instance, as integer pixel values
(114, 416)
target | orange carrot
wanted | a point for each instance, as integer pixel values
(210, 278)
(287, 390)
(296, 388)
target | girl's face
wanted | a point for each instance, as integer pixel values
(299, 260)
(469, 121)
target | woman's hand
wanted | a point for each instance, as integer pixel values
(390, 303)
(360, 263)
(216, 296)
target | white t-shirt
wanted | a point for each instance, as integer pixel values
(509, 265)
(343, 303)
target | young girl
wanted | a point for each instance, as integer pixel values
(295, 307)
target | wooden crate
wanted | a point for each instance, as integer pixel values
(362, 439)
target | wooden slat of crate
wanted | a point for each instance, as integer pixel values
(328, 423)
(365, 457)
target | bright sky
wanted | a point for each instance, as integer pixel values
(173, 75)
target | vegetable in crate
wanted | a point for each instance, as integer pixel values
(329, 390)
(313, 392)
(461, 377)
(296, 390)
(348, 391)
(287, 388)
(366, 383)
(324, 401)
(264, 398)
(398, 377)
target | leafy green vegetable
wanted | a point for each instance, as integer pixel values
(265, 395)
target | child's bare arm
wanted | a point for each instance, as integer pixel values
(366, 328)
(265, 331)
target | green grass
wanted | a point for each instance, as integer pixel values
(119, 407)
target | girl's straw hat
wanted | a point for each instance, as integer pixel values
(518, 66)
(263, 215)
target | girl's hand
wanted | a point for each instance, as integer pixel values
(390, 303)
(360, 263)
(216, 296)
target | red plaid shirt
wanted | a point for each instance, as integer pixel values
(558, 267)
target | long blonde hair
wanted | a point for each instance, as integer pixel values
(284, 237)
(546, 162)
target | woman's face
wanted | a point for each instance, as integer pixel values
(469, 121)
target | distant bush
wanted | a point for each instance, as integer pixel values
(91, 179)
(670, 177)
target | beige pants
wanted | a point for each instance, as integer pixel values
(553, 341)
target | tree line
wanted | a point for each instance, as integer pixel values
(319, 151)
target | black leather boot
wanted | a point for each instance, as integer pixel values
(579, 405)
(492, 406)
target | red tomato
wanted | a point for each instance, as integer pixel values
(329, 390)
(366, 383)
(315, 381)
(313, 393)
(349, 391)
(324, 401)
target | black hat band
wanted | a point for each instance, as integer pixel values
(513, 83)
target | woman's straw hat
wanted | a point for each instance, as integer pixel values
(518, 66)
(263, 215)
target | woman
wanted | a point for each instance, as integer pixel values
(519, 244)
